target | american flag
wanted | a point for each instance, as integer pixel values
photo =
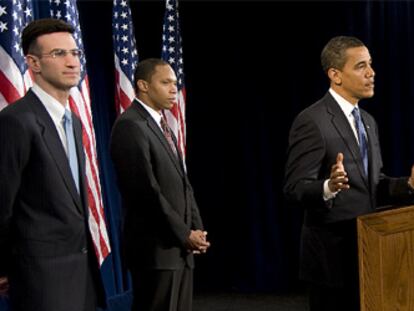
(14, 76)
(172, 53)
(125, 54)
(80, 104)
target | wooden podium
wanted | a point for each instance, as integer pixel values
(386, 260)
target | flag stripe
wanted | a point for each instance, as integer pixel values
(96, 218)
(10, 94)
(3, 102)
(124, 90)
(13, 75)
(122, 99)
(181, 117)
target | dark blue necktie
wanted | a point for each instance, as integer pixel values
(362, 138)
(71, 147)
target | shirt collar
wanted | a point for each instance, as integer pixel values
(154, 114)
(345, 105)
(53, 107)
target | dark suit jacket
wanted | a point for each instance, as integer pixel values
(44, 235)
(317, 135)
(160, 209)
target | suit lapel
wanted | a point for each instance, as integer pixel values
(81, 162)
(340, 122)
(55, 147)
(158, 133)
(180, 158)
(372, 138)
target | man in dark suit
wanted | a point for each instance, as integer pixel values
(334, 171)
(162, 227)
(45, 244)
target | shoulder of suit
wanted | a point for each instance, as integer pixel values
(365, 113)
(130, 118)
(134, 112)
(17, 119)
(314, 111)
(368, 118)
(20, 107)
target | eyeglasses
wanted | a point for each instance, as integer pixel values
(61, 53)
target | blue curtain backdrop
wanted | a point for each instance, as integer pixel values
(250, 68)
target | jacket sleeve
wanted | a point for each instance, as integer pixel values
(306, 152)
(196, 222)
(394, 191)
(391, 190)
(13, 156)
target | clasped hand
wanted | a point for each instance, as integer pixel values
(197, 242)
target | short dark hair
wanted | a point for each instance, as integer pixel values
(145, 69)
(334, 53)
(41, 27)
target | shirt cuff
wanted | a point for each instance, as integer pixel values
(410, 189)
(327, 193)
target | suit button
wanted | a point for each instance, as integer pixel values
(84, 250)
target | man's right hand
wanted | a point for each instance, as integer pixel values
(338, 179)
(4, 286)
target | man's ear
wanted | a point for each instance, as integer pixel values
(142, 86)
(335, 76)
(33, 62)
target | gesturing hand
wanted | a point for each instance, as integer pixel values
(338, 179)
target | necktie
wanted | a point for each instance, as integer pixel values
(362, 138)
(167, 133)
(71, 147)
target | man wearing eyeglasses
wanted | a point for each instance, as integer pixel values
(45, 244)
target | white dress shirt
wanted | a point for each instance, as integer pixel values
(55, 110)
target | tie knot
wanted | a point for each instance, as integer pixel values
(164, 125)
(356, 113)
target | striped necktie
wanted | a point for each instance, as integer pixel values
(167, 133)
